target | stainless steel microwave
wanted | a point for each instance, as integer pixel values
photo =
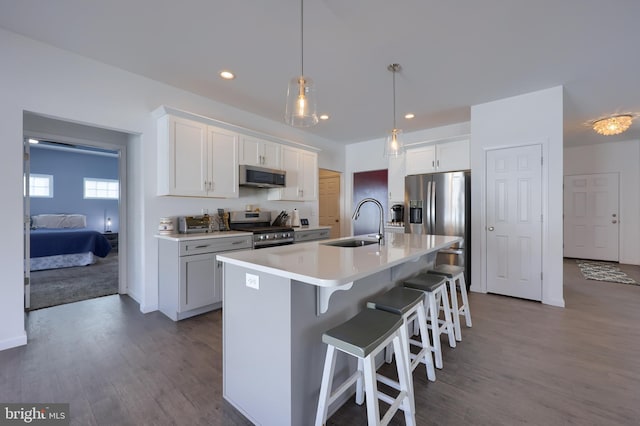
(262, 177)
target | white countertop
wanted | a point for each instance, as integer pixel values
(202, 235)
(327, 266)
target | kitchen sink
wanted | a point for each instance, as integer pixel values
(354, 242)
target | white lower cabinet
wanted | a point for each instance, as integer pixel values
(190, 277)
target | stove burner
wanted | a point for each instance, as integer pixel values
(264, 235)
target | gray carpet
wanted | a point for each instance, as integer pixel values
(58, 286)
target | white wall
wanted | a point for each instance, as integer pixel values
(51, 82)
(622, 158)
(369, 155)
(521, 120)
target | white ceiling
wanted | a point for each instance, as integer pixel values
(454, 54)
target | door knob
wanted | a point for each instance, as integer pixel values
(614, 215)
(614, 221)
(490, 228)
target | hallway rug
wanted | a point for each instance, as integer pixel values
(603, 271)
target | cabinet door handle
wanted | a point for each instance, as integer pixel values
(433, 164)
(237, 242)
(438, 163)
(201, 247)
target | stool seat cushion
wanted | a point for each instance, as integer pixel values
(363, 333)
(425, 282)
(449, 271)
(398, 300)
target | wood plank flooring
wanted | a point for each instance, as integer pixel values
(521, 363)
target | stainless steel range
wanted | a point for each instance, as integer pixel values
(264, 233)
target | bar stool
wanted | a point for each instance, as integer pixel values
(409, 304)
(436, 291)
(454, 274)
(363, 337)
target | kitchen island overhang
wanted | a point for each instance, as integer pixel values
(272, 344)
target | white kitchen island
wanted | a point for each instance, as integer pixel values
(277, 303)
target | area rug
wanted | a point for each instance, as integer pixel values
(603, 271)
(58, 286)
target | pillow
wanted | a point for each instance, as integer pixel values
(59, 221)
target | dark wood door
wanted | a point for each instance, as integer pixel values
(369, 184)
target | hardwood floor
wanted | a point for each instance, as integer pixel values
(522, 362)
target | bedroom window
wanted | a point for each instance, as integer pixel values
(40, 186)
(104, 189)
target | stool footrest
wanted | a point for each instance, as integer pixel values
(343, 387)
(394, 405)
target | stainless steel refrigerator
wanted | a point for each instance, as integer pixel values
(440, 203)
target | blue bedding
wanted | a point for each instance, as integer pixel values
(51, 242)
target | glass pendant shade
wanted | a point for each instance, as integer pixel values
(301, 103)
(394, 146)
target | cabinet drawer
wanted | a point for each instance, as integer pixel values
(302, 236)
(215, 245)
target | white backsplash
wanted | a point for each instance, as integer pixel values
(256, 197)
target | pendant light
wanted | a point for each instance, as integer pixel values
(301, 96)
(394, 146)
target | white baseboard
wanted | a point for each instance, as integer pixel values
(554, 302)
(145, 309)
(13, 342)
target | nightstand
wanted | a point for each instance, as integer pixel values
(113, 239)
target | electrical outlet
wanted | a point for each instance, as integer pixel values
(253, 281)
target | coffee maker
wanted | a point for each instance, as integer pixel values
(397, 213)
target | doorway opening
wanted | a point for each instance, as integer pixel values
(74, 209)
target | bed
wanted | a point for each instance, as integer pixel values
(62, 241)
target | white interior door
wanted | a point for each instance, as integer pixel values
(514, 222)
(329, 204)
(591, 216)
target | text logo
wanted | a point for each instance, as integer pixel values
(34, 414)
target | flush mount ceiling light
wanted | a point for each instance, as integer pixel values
(301, 94)
(227, 75)
(613, 125)
(394, 146)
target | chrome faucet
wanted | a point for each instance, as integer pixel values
(380, 235)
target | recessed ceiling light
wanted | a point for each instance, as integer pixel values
(324, 117)
(409, 116)
(227, 75)
(34, 141)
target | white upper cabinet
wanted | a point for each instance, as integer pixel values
(302, 175)
(223, 161)
(196, 160)
(395, 178)
(439, 157)
(257, 152)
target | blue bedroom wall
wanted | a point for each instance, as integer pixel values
(69, 170)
